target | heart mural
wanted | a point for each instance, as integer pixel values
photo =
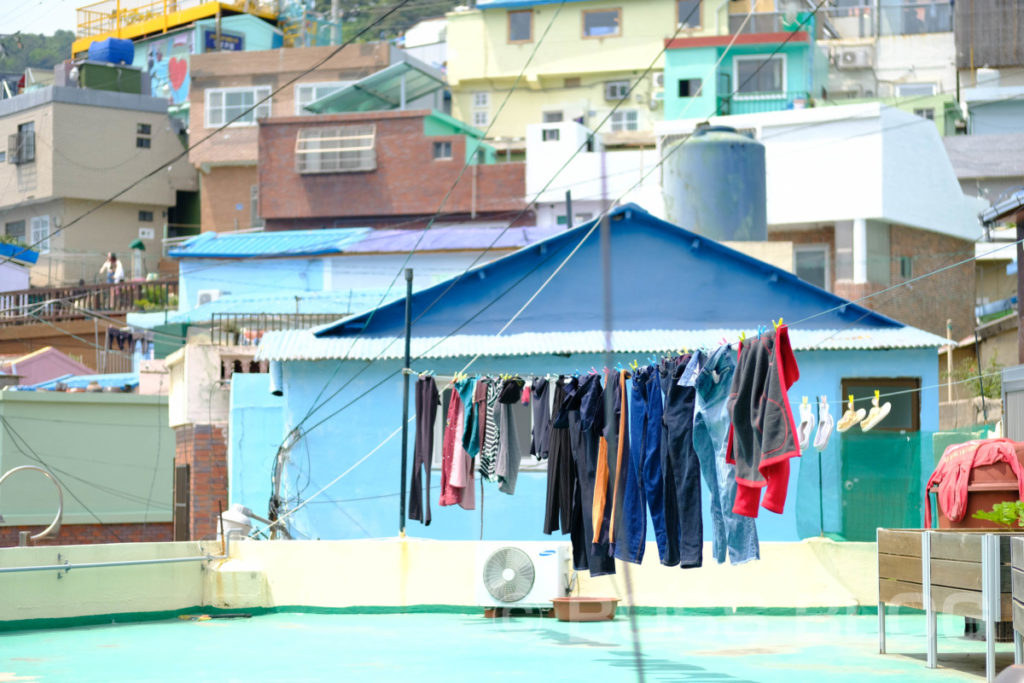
(177, 70)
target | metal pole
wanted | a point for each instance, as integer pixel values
(405, 398)
(1020, 292)
(981, 383)
(949, 360)
(568, 209)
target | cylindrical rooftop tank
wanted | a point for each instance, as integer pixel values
(714, 185)
(112, 50)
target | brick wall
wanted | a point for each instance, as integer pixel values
(407, 183)
(84, 534)
(204, 449)
(221, 191)
(929, 302)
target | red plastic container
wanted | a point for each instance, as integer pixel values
(987, 485)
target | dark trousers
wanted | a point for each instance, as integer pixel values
(681, 470)
(644, 487)
(427, 401)
(590, 423)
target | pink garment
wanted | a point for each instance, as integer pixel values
(462, 475)
(450, 495)
(954, 470)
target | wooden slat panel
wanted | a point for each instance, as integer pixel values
(1017, 581)
(901, 593)
(1017, 551)
(957, 546)
(900, 542)
(965, 575)
(967, 603)
(899, 567)
(1018, 616)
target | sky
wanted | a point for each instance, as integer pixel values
(39, 16)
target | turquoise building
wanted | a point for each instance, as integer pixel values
(760, 72)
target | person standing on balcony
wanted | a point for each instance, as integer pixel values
(113, 268)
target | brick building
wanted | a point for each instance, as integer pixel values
(381, 169)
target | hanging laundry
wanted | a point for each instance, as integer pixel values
(427, 401)
(541, 411)
(561, 473)
(453, 455)
(732, 533)
(825, 424)
(506, 464)
(645, 412)
(851, 417)
(467, 390)
(480, 406)
(489, 446)
(876, 414)
(588, 404)
(953, 473)
(681, 468)
(123, 338)
(806, 426)
(762, 437)
(617, 435)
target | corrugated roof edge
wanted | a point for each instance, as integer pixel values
(295, 345)
(334, 240)
(635, 212)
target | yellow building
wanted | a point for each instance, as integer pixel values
(592, 54)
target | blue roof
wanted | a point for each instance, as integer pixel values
(116, 379)
(338, 302)
(663, 277)
(18, 253)
(262, 244)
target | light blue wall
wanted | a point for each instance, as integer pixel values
(255, 431)
(997, 118)
(365, 502)
(251, 277)
(259, 35)
(685, 64)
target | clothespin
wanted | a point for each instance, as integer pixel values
(635, 364)
(849, 400)
(877, 397)
(805, 399)
(761, 329)
(743, 337)
(777, 324)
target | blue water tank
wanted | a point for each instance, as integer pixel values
(112, 50)
(714, 184)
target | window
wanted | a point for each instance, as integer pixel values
(481, 109)
(143, 129)
(549, 135)
(902, 392)
(624, 119)
(235, 106)
(480, 119)
(520, 26)
(21, 146)
(811, 264)
(307, 93)
(15, 230)
(3, 156)
(915, 89)
(145, 216)
(254, 207)
(688, 13)
(689, 87)
(142, 142)
(336, 149)
(481, 99)
(906, 267)
(551, 117)
(616, 90)
(602, 23)
(926, 113)
(443, 150)
(760, 75)
(40, 237)
(573, 82)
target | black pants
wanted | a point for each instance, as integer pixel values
(681, 472)
(427, 401)
(585, 451)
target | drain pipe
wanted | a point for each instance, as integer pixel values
(67, 566)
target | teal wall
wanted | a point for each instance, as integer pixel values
(255, 430)
(364, 504)
(685, 64)
(113, 453)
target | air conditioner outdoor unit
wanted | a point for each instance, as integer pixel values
(205, 296)
(860, 57)
(658, 80)
(521, 574)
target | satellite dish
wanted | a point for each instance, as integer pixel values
(73, 75)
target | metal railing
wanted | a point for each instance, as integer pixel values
(772, 22)
(915, 18)
(109, 16)
(760, 102)
(71, 303)
(246, 329)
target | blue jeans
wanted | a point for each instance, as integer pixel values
(710, 436)
(681, 469)
(644, 485)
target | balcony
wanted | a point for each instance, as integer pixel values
(772, 22)
(760, 102)
(246, 329)
(77, 302)
(915, 18)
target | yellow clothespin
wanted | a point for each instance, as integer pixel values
(849, 400)
(777, 324)
(877, 396)
(805, 399)
(743, 337)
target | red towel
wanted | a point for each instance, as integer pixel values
(954, 470)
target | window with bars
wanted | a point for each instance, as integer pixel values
(625, 119)
(336, 149)
(21, 146)
(236, 106)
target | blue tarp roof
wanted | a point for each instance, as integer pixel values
(663, 278)
(261, 244)
(117, 379)
(18, 253)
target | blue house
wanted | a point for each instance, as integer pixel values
(342, 385)
(763, 71)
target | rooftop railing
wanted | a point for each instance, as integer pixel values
(74, 302)
(246, 329)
